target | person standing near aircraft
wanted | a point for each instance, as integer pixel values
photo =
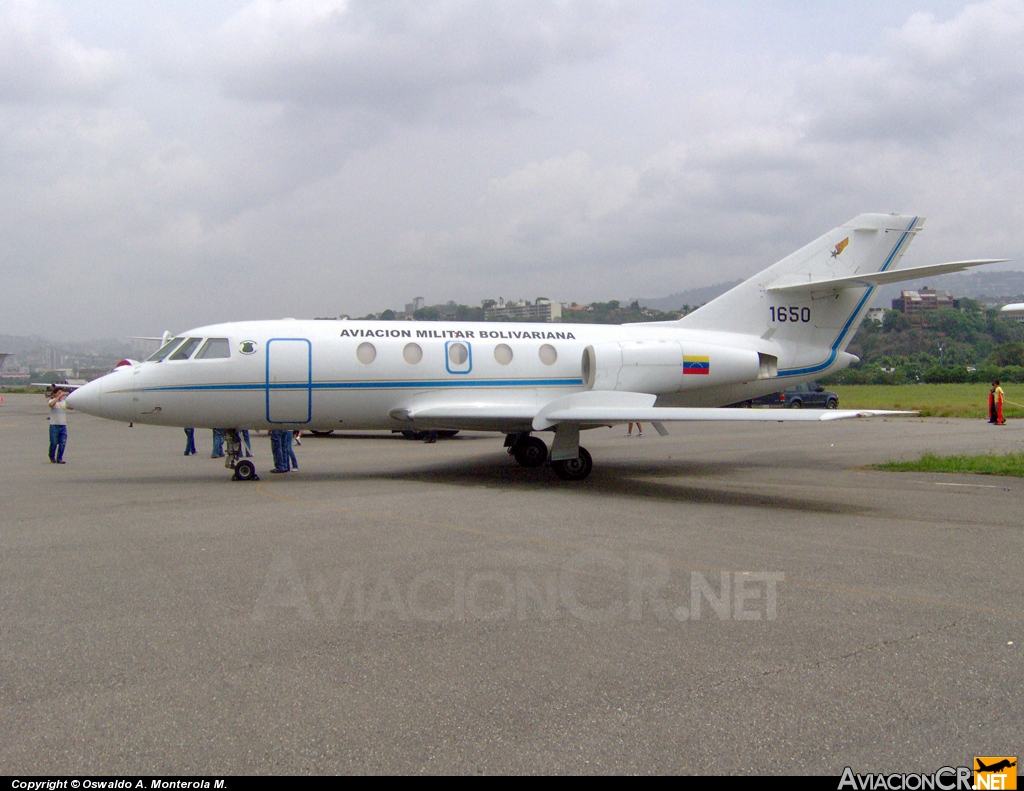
(277, 449)
(997, 396)
(244, 435)
(639, 427)
(190, 442)
(58, 425)
(288, 452)
(218, 444)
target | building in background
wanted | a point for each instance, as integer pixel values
(1015, 311)
(914, 303)
(541, 310)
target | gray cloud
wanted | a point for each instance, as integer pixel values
(931, 79)
(399, 56)
(312, 158)
(41, 63)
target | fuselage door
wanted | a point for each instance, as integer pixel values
(289, 380)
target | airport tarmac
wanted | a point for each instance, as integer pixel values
(729, 599)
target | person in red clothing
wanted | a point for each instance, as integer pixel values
(997, 397)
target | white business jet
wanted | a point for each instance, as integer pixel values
(788, 324)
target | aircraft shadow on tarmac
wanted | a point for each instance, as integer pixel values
(608, 480)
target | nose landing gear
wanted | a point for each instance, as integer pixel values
(245, 470)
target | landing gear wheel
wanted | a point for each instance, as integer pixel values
(245, 471)
(419, 436)
(574, 469)
(530, 452)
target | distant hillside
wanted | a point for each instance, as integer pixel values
(693, 297)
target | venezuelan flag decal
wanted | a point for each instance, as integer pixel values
(696, 365)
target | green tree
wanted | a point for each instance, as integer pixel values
(894, 321)
(1008, 354)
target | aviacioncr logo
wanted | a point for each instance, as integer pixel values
(247, 347)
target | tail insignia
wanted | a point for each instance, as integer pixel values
(840, 247)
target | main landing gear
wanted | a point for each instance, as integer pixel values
(530, 451)
(245, 470)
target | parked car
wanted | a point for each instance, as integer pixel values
(811, 395)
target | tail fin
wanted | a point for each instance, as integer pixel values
(812, 328)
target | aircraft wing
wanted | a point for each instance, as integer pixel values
(602, 407)
(603, 416)
(879, 278)
(57, 385)
(472, 416)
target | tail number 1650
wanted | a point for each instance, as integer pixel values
(790, 314)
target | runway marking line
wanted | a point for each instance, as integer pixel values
(261, 488)
(974, 485)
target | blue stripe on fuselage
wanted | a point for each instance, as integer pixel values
(380, 385)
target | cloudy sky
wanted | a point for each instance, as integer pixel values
(170, 164)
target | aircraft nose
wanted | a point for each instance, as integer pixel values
(88, 398)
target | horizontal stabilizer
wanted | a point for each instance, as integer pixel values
(879, 278)
(609, 415)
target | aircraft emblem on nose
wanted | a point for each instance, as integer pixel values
(840, 247)
(247, 347)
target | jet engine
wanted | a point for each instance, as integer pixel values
(670, 366)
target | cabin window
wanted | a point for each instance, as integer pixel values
(412, 353)
(503, 353)
(214, 349)
(186, 349)
(366, 353)
(164, 350)
(547, 354)
(458, 353)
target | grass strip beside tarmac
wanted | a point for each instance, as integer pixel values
(1011, 464)
(931, 400)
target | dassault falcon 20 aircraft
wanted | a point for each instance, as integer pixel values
(788, 324)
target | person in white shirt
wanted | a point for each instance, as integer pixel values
(58, 425)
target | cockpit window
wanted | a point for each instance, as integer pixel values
(164, 350)
(186, 349)
(214, 349)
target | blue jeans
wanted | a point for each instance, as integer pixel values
(277, 448)
(218, 443)
(58, 439)
(289, 453)
(244, 436)
(190, 441)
